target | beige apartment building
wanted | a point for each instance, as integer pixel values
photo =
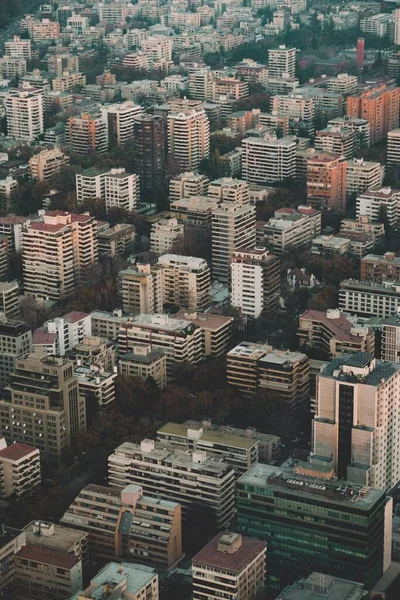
(45, 409)
(130, 581)
(164, 233)
(334, 333)
(117, 240)
(141, 289)
(186, 185)
(86, 133)
(59, 252)
(230, 87)
(356, 427)
(188, 134)
(9, 299)
(19, 469)
(393, 148)
(230, 564)
(380, 268)
(68, 80)
(291, 228)
(143, 361)
(125, 524)
(186, 281)
(369, 203)
(18, 48)
(195, 210)
(216, 330)
(228, 189)
(363, 175)
(191, 478)
(46, 164)
(24, 110)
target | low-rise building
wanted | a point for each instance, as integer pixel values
(334, 333)
(379, 268)
(368, 298)
(364, 224)
(19, 469)
(330, 245)
(320, 584)
(126, 524)
(143, 361)
(94, 350)
(191, 478)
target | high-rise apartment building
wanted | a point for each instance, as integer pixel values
(120, 119)
(121, 190)
(59, 253)
(216, 330)
(291, 228)
(130, 581)
(18, 48)
(191, 478)
(9, 299)
(143, 362)
(47, 163)
(186, 185)
(45, 409)
(8, 187)
(360, 127)
(127, 525)
(19, 469)
(397, 26)
(227, 189)
(230, 87)
(300, 110)
(369, 298)
(393, 146)
(390, 347)
(87, 133)
(336, 139)
(282, 61)
(343, 83)
(149, 151)
(255, 281)
(378, 103)
(290, 508)
(268, 159)
(140, 289)
(186, 281)
(164, 233)
(201, 84)
(230, 564)
(24, 110)
(188, 134)
(233, 226)
(61, 334)
(356, 427)
(363, 175)
(380, 268)
(15, 342)
(90, 184)
(326, 181)
(369, 203)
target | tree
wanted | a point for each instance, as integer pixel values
(324, 299)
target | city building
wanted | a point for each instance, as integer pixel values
(268, 159)
(369, 298)
(360, 127)
(201, 84)
(330, 245)
(18, 48)
(115, 241)
(252, 72)
(230, 87)
(378, 103)
(19, 469)
(120, 119)
(337, 139)
(380, 268)
(281, 61)
(371, 201)
(126, 524)
(265, 497)
(343, 83)
(45, 409)
(96, 387)
(86, 133)
(393, 146)
(363, 175)
(251, 367)
(187, 184)
(47, 163)
(186, 281)
(130, 581)
(300, 110)
(59, 252)
(320, 584)
(9, 299)
(8, 187)
(216, 330)
(15, 342)
(164, 234)
(233, 226)
(144, 361)
(12, 67)
(149, 151)
(191, 478)
(141, 289)
(326, 181)
(355, 401)
(180, 340)
(363, 224)
(24, 110)
(188, 134)
(195, 210)
(230, 562)
(12, 227)
(61, 334)
(390, 346)
(227, 189)
(90, 185)
(255, 281)
(291, 228)
(11, 541)
(121, 190)
(334, 333)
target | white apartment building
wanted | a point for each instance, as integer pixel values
(47, 163)
(188, 136)
(190, 478)
(140, 289)
(297, 107)
(390, 347)
(90, 185)
(396, 26)
(186, 281)
(356, 427)
(233, 226)
(8, 186)
(201, 84)
(268, 159)
(116, 13)
(143, 361)
(343, 83)
(121, 190)
(24, 110)
(369, 299)
(45, 30)
(61, 334)
(19, 469)
(337, 140)
(164, 233)
(363, 175)
(120, 121)
(12, 67)
(18, 48)
(130, 581)
(78, 24)
(361, 128)
(282, 61)
(291, 228)
(227, 189)
(232, 562)
(393, 145)
(186, 185)
(9, 299)
(157, 48)
(371, 200)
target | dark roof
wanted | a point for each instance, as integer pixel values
(16, 451)
(210, 556)
(49, 556)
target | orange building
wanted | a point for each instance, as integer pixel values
(326, 181)
(378, 103)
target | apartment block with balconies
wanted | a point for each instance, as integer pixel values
(19, 469)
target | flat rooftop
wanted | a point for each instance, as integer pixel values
(63, 539)
(333, 589)
(237, 561)
(371, 371)
(209, 436)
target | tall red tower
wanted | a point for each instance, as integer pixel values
(360, 53)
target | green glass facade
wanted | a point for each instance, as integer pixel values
(309, 526)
